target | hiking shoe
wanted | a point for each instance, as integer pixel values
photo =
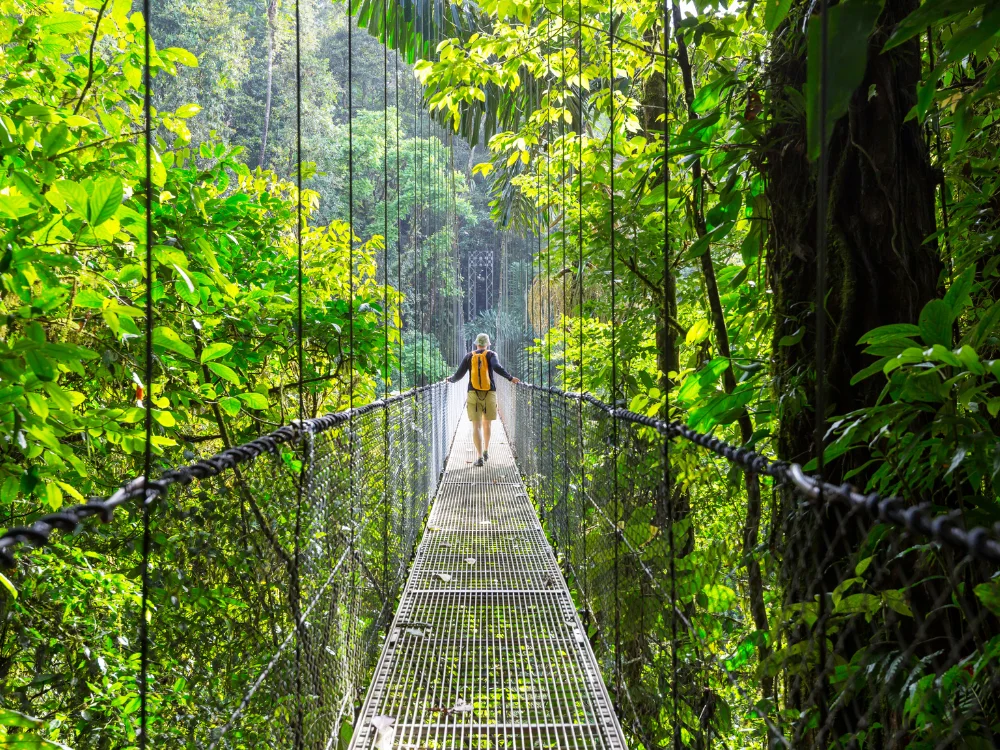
(486, 455)
(479, 461)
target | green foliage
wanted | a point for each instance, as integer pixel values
(422, 361)
(934, 422)
(73, 286)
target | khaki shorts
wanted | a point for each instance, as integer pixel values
(479, 403)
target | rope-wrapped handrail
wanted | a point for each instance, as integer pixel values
(39, 532)
(976, 542)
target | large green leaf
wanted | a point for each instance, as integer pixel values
(850, 26)
(75, 195)
(957, 295)
(935, 323)
(224, 372)
(9, 718)
(928, 14)
(40, 365)
(105, 200)
(216, 350)
(167, 338)
(970, 38)
(708, 96)
(64, 23)
(29, 742)
(987, 326)
(253, 400)
(775, 12)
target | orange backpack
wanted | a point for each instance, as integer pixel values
(479, 371)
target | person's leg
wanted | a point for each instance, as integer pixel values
(488, 417)
(477, 439)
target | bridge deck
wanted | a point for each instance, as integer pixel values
(486, 650)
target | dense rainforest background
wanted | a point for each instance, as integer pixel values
(545, 144)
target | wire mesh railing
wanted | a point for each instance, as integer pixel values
(273, 572)
(856, 621)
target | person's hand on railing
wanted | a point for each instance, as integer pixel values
(515, 381)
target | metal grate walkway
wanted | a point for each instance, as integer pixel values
(486, 650)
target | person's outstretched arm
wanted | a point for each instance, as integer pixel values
(498, 368)
(462, 369)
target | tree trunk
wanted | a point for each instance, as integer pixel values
(881, 209)
(751, 525)
(880, 271)
(272, 11)
(667, 358)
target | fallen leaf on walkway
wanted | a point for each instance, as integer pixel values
(485, 523)
(443, 576)
(471, 560)
(461, 707)
(416, 632)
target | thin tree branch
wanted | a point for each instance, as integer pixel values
(90, 66)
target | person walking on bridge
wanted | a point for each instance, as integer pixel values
(482, 366)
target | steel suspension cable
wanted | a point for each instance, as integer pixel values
(429, 238)
(385, 210)
(548, 247)
(822, 198)
(667, 382)
(350, 210)
(452, 233)
(431, 224)
(425, 209)
(456, 250)
(436, 186)
(399, 202)
(414, 230)
(432, 220)
(300, 364)
(562, 270)
(354, 515)
(417, 239)
(614, 354)
(147, 453)
(385, 303)
(580, 282)
(539, 350)
(946, 234)
(439, 224)
(422, 234)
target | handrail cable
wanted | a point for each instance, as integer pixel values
(977, 542)
(296, 593)
(147, 451)
(614, 347)
(38, 533)
(665, 448)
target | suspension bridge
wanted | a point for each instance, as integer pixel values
(352, 579)
(508, 616)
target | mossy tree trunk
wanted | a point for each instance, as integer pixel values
(882, 270)
(881, 212)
